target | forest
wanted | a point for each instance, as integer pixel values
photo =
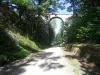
(85, 26)
(24, 27)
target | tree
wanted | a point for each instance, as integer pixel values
(86, 21)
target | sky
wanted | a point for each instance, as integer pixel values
(64, 11)
(64, 17)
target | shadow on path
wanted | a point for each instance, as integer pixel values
(44, 61)
(15, 68)
(50, 62)
(87, 67)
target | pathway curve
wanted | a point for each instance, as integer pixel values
(52, 61)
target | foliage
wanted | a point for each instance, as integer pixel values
(21, 2)
(15, 46)
(58, 38)
(91, 53)
(43, 6)
(26, 19)
(85, 25)
(22, 40)
(27, 23)
(51, 34)
(55, 23)
(48, 6)
(27, 3)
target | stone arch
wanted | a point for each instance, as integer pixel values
(60, 19)
(56, 17)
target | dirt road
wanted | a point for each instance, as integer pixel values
(52, 61)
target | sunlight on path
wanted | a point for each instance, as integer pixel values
(49, 62)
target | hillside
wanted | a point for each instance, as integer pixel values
(15, 46)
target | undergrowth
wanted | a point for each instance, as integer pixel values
(14, 46)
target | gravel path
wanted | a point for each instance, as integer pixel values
(52, 61)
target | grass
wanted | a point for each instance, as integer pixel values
(15, 46)
(75, 64)
(90, 52)
(76, 71)
(23, 40)
(97, 45)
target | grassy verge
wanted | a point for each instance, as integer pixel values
(24, 41)
(15, 46)
(89, 57)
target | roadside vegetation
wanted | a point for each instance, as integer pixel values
(84, 57)
(24, 29)
(84, 25)
(15, 46)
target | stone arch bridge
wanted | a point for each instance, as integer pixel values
(62, 17)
